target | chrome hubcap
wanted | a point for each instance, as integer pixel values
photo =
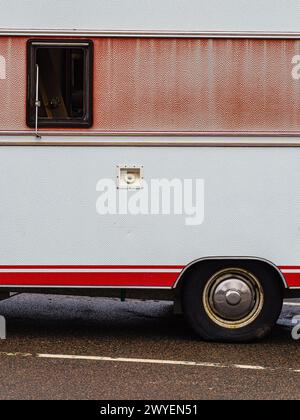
(233, 298)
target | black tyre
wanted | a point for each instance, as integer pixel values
(233, 302)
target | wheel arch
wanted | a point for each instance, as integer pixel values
(213, 260)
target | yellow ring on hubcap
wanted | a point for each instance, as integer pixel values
(233, 298)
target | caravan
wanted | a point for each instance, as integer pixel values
(92, 118)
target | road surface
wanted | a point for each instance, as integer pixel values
(66, 348)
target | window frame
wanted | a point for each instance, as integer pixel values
(88, 45)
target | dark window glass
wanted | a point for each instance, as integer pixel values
(64, 84)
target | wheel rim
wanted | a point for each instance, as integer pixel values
(233, 298)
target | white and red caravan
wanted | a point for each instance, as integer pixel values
(191, 104)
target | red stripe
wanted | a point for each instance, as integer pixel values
(89, 279)
(133, 279)
(87, 267)
(292, 279)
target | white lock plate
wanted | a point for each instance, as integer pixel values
(130, 177)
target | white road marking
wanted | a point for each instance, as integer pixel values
(291, 304)
(147, 361)
(249, 367)
(130, 360)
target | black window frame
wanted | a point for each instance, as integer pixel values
(32, 47)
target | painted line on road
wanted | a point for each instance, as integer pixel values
(291, 304)
(250, 367)
(147, 361)
(131, 360)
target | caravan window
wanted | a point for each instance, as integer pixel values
(62, 71)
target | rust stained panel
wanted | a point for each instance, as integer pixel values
(196, 85)
(176, 85)
(13, 88)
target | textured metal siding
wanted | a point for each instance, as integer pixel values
(196, 85)
(176, 85)
(13, 88)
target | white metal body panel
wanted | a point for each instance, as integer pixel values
(48, 206)
(182, 15)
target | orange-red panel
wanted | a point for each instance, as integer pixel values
(176, 85)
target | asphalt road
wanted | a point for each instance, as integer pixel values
(159, 357)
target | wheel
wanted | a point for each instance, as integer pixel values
(237, 303)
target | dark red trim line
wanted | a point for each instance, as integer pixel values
(289, 267)
(87, 267)
(90, 279)
(292, 279)
(159, 278)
